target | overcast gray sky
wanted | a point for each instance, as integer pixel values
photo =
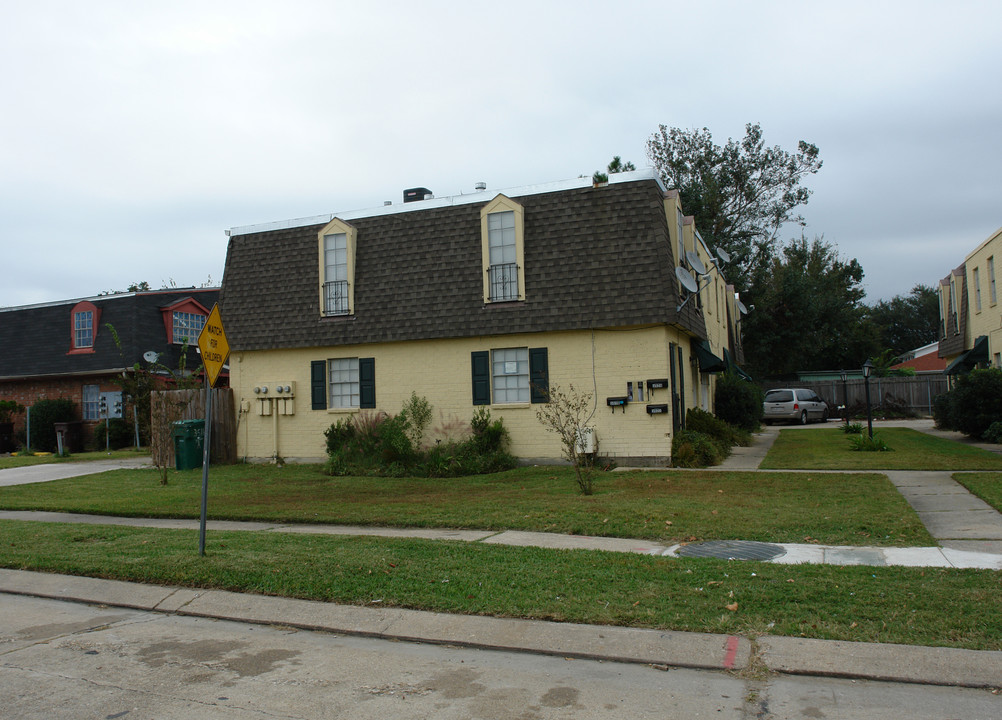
(135, 133)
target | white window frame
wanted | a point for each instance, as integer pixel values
(991, 280)
(343, 386)
(83, 329)
(976, 280)
(510, 376)
(187, 326)
(90, 402)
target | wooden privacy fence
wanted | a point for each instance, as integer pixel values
(917, 393)
(173, 405)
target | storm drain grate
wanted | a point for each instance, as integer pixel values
(732, 550)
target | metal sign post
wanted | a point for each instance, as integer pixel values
(214, 348)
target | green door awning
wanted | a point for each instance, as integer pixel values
(977, 355)
(708, 362)
(733, 367)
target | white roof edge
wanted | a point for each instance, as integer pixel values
(93, 298)
(464, 199)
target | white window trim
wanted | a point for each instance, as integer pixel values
(354, 386)
(523, 356)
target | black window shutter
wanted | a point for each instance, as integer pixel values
(318, 384)
(539, 375)
(367, 382)
(481, 362)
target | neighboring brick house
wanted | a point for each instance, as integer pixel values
(65, 349)
(481, 300)
(970, 312)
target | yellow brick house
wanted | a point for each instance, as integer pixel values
(970, 312)
(484, 299)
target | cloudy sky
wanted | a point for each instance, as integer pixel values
(135, 133)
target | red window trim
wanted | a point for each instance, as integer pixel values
(95, 312)
(189, 305)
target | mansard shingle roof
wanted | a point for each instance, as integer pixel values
(594, 257)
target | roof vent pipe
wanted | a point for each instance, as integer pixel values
(415, 194)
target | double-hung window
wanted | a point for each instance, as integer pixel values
(977, 290)
(343, 383)
(991, 280)
(336, 274)
(83, 329)
(507, 376)
(503, 260)
(91, 402)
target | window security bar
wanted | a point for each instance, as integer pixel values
(336, 297)
(503, 280)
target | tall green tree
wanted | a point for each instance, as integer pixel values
(741, 194)
(906, 322)
(808, 312)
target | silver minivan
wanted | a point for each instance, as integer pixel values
(796, 405)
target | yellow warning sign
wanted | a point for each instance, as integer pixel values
(212, 343)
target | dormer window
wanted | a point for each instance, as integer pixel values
(84, 320)
(502, 238)
(187, 327)
(337, 262)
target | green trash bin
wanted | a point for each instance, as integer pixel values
(189, 444)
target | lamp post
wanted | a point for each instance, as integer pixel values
(845, 398)
(867, 369)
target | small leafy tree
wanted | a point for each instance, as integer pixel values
(565, 413)
(417, 411)
(738, 402)
(973, 404)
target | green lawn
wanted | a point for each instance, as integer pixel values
(14, 461)
(986, 485)
(943, 607)
(829, 449)
(666, 506)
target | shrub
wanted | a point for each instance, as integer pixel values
(994, 433)
(851, 428)
(377, 444)
(738, 402)
(724, 432)
(973, 404)
(119, 433)
(44, 416)
(941, 412)
(692, 449)
(864, 443)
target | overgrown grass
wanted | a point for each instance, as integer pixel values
(986, 485)
(943, 607)
(668, 506)
(830, 449)
(14, 461)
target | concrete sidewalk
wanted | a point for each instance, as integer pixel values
(794, 656)
(61, 470)
(792, 553)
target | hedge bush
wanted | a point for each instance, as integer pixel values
(738, 402)
(974, 403)
(44, 416)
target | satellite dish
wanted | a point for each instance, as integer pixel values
(695, 262)
(741, 307)
(687, 280)
(723, 255)
(150, 356)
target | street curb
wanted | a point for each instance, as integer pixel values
(669, 649)
(701, 651)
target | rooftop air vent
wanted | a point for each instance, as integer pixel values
(415, 194)
(481, 186)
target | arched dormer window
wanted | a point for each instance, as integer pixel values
(84, 320)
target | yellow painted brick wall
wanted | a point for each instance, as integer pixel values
(988, 319)
(603, 360)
